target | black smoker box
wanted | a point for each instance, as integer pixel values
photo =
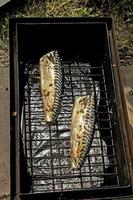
(40, 156)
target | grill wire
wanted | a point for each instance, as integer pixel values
(46, 148)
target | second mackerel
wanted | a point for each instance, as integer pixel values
(82, 129)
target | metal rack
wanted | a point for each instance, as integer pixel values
(50, 172)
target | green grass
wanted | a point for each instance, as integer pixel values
(124, 36)
(60, 8)
(51, 8)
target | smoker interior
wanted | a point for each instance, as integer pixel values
(84, 48)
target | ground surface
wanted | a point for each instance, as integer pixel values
(4, 134)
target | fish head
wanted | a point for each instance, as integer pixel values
(49, 58)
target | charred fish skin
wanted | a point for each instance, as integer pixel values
(82, 129)
(51, 85)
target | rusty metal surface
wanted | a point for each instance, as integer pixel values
(127, 71)
(124, 108)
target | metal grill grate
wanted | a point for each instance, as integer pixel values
(47, 147)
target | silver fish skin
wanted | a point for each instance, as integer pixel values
(82, 128)
(51, 85)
